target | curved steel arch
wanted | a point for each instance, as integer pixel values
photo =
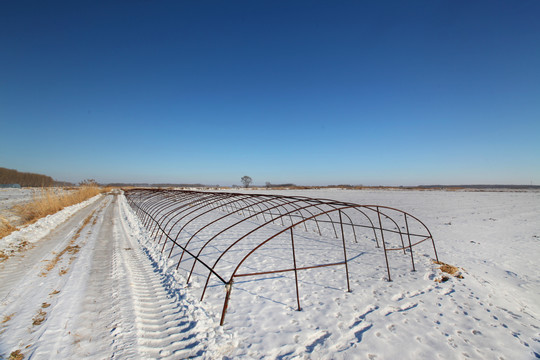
(164, 212)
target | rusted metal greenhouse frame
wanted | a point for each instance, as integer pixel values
(163, 212)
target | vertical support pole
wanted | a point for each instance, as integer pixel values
(318, 228)
(384, 244)
(207, 281)
(410, 246)
(402, 243)
(295, 271)
(164, 243)
(434, 249)
(228, 287)
(344, 252)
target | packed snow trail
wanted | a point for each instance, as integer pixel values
(88, 290)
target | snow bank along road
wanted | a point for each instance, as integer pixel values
(87, 290)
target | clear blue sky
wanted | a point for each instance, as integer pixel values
(308, 92)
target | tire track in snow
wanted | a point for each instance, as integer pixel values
(165, 324)
(97, 310)
(126, 311)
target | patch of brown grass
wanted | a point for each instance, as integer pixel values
(16, 355)
(448, 269)
(20, 247)
(70, 249)
(45, 305)
(85, 222)
(3, 256)
(51, 201)
(39, 318)
(5, 227)
(55, 292)
(7, 318)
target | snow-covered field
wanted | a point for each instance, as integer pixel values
(138, 306)
(12, 197)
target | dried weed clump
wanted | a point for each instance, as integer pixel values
(20, 247)
(16, 355)
(7, 318)
(51, 201)
(71, 249)
(39, 318)
(5, 227)
(448, 269)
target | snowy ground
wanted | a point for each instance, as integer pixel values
(12, 197)
(101, 288)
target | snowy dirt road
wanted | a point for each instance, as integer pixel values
(88, 290)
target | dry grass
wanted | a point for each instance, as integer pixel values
(7, 318)
(50, 202)
(20, 247)
(5, 227)
(85, 222)
(70, 249)
(16, 355)
(39, 318)
(3, 256)
(448, 269)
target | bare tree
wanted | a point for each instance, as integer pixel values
(246, 180)
(268, 185)
(88, 182)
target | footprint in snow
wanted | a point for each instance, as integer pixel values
(369, 309)
(392, 309)
(319, 340)
(360, 333)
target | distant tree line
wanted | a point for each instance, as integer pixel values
(269, 185)
(163, 185)
(9, 176)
